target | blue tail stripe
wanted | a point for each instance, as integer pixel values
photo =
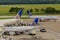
(36, 20)
(29, 13)
(20, 12)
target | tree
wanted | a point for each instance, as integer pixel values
(58, 11)
(50, 10)
(42, 10)
(31, 10)
(36, 10)
(11, 10)
(14, 9)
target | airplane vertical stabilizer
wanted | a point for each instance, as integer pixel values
(29, 13)
(19, 14)
(36, 20)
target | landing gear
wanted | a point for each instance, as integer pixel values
(6, 33)
(32, 34)
(18, 33)
(21, 32)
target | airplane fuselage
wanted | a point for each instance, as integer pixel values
(8, 21)
(19, 28)
(42, 18)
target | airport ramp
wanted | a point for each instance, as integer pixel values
(50, 35)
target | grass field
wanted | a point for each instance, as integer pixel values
(4, 9)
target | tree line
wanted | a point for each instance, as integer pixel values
(14, 9)
(48, 10)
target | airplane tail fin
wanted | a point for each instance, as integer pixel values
(29, 13)
(19, 14)
(36, 21)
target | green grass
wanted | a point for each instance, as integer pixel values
(5, 8)
(12, 18)
(8, 18)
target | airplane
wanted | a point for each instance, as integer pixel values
(42, 18)
(13, 20)
(16, 30)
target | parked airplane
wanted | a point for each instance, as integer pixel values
(22, 29)
(12, 21)
(42, 18)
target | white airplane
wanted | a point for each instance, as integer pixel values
(22, 29)
(42, 18)
(11, 21)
